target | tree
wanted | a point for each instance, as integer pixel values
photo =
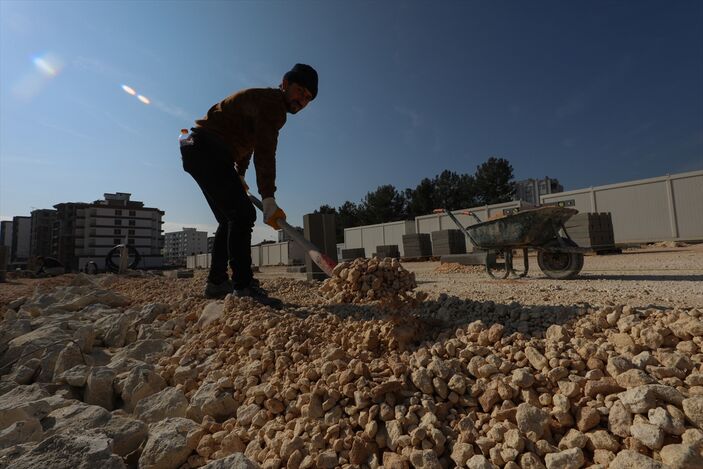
(383, 205)
(348, 215)
(493, 181)
(420, 201)
(326, 209)
(453, 191)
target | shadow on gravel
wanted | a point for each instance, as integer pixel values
(438, 320)
(636, 277)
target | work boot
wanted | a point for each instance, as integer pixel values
(218, 290)
(258, 295)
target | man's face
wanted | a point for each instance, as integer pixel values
(296, 96)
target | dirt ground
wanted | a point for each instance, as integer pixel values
(671, 277)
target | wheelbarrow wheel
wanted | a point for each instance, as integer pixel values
(560, 265)
(497, 270)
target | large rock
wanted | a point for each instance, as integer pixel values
(23, 403)
(170, 443)
(619, 420)
(141, 382)
(103, 297)
(557, 333)
(69, 357)
(149, 313)
(85, 336)
(648, 434)
(210, 400)
(633, 460)
(642, 398)
(75, 418)
(234, 461)
(424, 459)
(113, 329)
(536, 359)
(211, 312)
(99, 388)
(40, 343)
(77, 451)
(532, 419)
(145, 350)
(169, 402)
(681, 456)
(567, 459)
(633, 378)
(76, 376)
(13, 329)
(127, 434)
(479, 461)
(693, 408)
(21, 432)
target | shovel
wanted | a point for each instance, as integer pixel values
(321, 259)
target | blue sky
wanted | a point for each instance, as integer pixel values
(588, 92)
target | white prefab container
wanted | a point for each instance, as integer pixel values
(370, 236)
(648, 210)
(441, 221)
(283, 253)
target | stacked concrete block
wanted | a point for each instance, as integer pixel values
(448, 242)
(319, 230)
(353, 253)
(390, 250)
(417, 245)
(591, 230)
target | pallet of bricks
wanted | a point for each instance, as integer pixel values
(593, 231)
(389, 250)
(446, 242)
(417, 245)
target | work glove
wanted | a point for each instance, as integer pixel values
(272, 213)
(244, 184)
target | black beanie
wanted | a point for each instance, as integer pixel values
(304, 75)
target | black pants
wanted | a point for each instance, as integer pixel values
(208, 160)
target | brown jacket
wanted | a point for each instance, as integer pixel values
(249, 121)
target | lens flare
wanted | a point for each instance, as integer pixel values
(129, 90)
(143, 99)
(48, 64)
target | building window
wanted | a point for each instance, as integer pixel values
(131, 223)
(131, 232)
(132, 213)
(117, 231)
(118, 213)
(116, 241)
(118, 222)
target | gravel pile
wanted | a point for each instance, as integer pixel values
(371, 280)
(453, 381)
(457, 383)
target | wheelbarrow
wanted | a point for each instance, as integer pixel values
(541, 229)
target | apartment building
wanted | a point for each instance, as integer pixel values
(42, 227)
(6, 235)
(86, 232)
(179, 245)
(21, 239)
